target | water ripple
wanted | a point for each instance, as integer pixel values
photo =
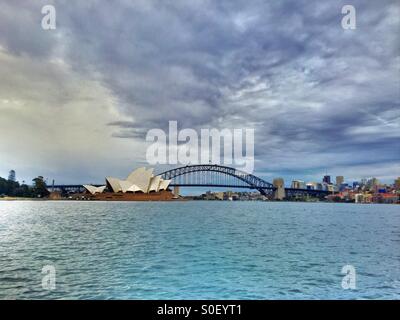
(198, 250)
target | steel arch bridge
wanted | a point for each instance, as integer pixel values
(213, 175)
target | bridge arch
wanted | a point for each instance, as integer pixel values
(246, 180)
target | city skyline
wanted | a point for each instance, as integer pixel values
(78, 100)
(325, 183)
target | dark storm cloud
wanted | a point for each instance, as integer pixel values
(309, 88)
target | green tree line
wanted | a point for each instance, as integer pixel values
(15, 189)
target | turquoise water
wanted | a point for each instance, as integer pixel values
(198, 250)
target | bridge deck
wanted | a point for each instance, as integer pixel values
(212, 175)
(287, 190)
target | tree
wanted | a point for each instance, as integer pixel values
(11, 176)
(24, 191)
(8, 187)
(39, 187)
(3, 186)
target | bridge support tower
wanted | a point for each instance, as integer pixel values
(279, 192)
(176, 191)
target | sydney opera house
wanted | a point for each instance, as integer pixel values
(140, 185)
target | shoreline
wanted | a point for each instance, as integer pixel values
(5, 199)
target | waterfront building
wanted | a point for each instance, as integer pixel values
(209, 196)
(219, 195)
(385, 198)
(363, 198)
(330, 188)
(358, 198)
(321, 186)
(141, 180)
(298, 184)
(311, 186)
(339, 180)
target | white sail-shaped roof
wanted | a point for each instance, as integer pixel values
(154, 183)
(141, 178)
(134, 188)
(164, 184)
(125, 185)
(136, 173)
(93, 189)
(114, 184)
(128, 186)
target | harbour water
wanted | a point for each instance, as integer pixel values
(198, 250)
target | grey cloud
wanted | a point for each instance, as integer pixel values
(285, 68)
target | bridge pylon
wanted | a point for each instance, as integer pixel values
(176, 191)
(279, 192)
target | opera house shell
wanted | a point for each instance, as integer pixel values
(141, 184)
(93, 189)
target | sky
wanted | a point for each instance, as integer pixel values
(76, 102)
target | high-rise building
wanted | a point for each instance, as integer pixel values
(327, 179)
(339, 180)
(298, 184)
(372, 183)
